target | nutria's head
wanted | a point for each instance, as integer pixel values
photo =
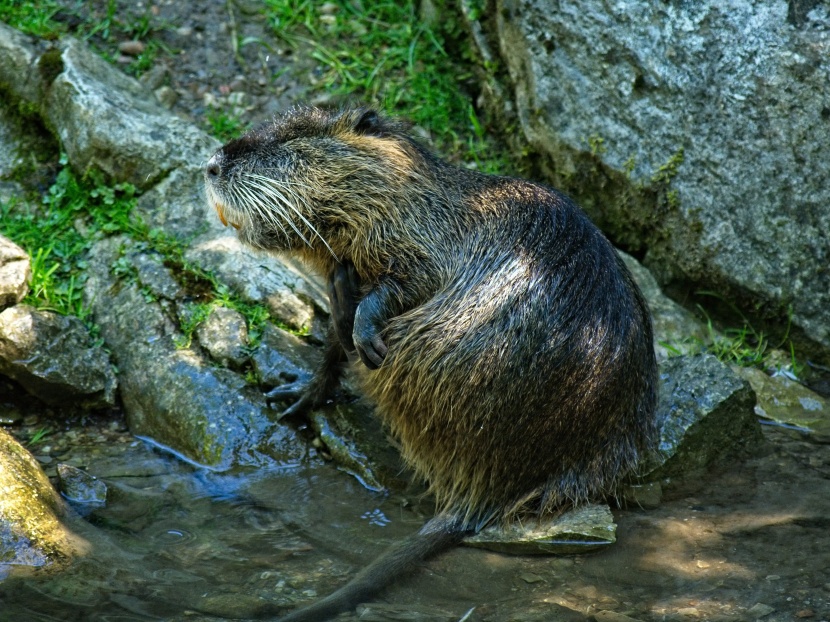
(313, 179)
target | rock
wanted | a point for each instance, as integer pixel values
(676, 330)
(166, 96)
(15, 273)
(32, 534)
(285, 288)
(580, 530)
(50, 356)
(174, 396)
(224, 335)
(282, 357)
(107, 120)
(611, 92)
(19, 71)
(785, 402)
(132, 48)
(706, 416)
(646, 496)
(81, 488)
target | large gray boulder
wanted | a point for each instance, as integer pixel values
(696, 133)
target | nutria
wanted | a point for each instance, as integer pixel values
(502, 340)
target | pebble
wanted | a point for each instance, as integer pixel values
(166, 96)
(531, 578)
(805, 613)
(759, 610)
(132, 48)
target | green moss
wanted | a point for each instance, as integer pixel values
(50, 65)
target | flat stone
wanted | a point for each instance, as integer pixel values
(787, 403)
(580, 530)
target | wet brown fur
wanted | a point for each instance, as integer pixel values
(520, 375)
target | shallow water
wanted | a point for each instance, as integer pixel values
(180, 543)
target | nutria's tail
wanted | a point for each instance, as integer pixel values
(438, 534)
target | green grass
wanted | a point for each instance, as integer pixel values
(34, 18)
(382, 53)
(224, 125)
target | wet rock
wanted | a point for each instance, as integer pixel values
(174, 396)
(32, 534)
(333, 428)
(676, 330)
(707, 416)
(50, 356)
(787, 403)
(15, 273)
(80, 487)
(580, 530)
(610, 92)
(224, 335)
(282, 357)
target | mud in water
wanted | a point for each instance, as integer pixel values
(179, 543)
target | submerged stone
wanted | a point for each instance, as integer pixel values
(583, 529)
(79, 487)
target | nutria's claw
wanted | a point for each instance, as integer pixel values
(371, 349)
(297, 392)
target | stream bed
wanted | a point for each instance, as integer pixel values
(179, 542)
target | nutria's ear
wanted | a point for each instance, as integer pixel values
(369, 123)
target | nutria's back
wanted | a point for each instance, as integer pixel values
(520, 374)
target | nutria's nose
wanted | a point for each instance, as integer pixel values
(213, 168)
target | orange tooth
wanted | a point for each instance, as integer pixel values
(220, 210)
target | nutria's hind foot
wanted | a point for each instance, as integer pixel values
(302, 395)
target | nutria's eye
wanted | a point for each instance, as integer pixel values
(369, 123)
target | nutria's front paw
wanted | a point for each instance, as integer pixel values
(367, 337)
(344, 290)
